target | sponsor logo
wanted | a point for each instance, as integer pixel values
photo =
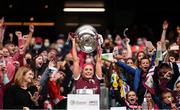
(93, 103)
(73, 102)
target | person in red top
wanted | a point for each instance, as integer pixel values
(86, 79)
(54, 87)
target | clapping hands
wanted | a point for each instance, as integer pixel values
(34, 97)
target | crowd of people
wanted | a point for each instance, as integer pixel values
(37, 74)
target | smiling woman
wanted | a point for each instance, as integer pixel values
(24, 95)
(23, 77)
(88, 80)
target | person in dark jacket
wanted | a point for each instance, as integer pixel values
(21, 95)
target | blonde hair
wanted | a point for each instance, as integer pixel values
(19, 75)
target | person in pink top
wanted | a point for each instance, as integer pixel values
(85, 78)
(13, 59)
(11, 56)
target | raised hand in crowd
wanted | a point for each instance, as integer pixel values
(31, 31)
(163, 35)
(31, 28)
(178, 38)
(128, 46)
(2, 31)
(19, 34)
(165, 25)
(11, 37)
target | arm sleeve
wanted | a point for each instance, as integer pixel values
(153, 59)
(68, 78)
(45, 76)
(54, 90)
(127, 68)
(16, 56)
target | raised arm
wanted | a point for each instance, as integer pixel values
(178, 31)
(178, 38)
(46, 74)
(20, 38)
(18, 56)
(76, 66)
(31, 31)
(127, 68)
(99, 63)
(21, 44)
(163, 35)
(128, 48)
(2, 30)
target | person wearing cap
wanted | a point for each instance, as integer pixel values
(37, 47)
(38, 43)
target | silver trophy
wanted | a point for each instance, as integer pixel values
(87, 38)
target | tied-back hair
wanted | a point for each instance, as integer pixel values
(19, 75)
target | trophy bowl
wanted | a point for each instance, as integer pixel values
(87, 38)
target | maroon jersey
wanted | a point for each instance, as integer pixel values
(93, 83)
